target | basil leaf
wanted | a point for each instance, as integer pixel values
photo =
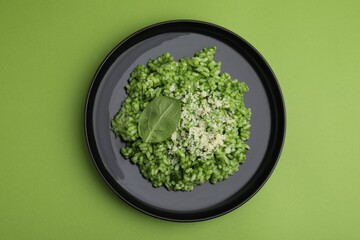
(159, 119)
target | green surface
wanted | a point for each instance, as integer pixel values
(49, 51)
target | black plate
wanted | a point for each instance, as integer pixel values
(241, 61)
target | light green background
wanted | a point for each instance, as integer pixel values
(49, 51)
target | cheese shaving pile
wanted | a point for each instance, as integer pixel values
(202, 125)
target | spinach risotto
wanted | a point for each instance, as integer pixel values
(184, 122)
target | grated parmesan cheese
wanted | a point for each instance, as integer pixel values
(172, 88)
(218, 103)
(200, 130)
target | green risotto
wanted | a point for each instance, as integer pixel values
(184, 122)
